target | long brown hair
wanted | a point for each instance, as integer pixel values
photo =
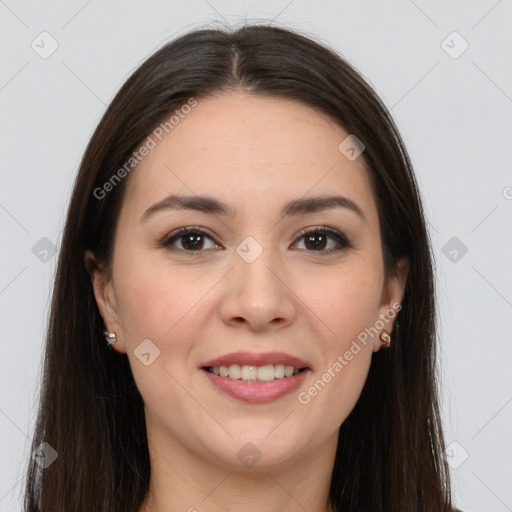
(390, 450)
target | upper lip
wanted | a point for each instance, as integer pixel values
(257, 359)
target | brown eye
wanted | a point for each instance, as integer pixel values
(316, 240)
(190, 239)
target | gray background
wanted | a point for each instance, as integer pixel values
(453, 108)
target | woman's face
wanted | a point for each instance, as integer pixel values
(247, 280)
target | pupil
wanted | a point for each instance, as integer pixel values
(192, 241)
(310, 239)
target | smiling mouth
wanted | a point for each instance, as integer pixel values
(253, 373)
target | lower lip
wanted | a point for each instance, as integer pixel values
(257, 392)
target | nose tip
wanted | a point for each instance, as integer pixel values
(256, 295)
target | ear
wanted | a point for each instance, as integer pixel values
(392, 295)
(105, 296)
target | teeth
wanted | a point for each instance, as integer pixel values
(234, 371)
(267, 372)
(251, 373)
(288, 371)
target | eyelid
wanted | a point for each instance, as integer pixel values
(184, 230)
(341, 239)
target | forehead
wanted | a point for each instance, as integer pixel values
(250, 150)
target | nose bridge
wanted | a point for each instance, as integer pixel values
(255, 266)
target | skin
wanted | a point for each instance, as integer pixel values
(255, 154)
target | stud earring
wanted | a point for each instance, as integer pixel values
(110, 338)
(385, 338)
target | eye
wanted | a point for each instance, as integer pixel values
(191, 240)
(316, 239)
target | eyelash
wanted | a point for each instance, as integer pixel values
(340, 238)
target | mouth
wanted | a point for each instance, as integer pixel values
(256, 377)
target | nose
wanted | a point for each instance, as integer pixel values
(258, 294)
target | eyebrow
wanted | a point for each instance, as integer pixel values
(212, 206)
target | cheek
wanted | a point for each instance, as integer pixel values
(345, 306)
(153, 299)
(345, 300)
(157, 304)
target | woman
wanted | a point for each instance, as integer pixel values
(246, 233)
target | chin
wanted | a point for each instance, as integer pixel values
(255, 454)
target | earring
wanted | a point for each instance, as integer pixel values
(385, 338)
(110, 338)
